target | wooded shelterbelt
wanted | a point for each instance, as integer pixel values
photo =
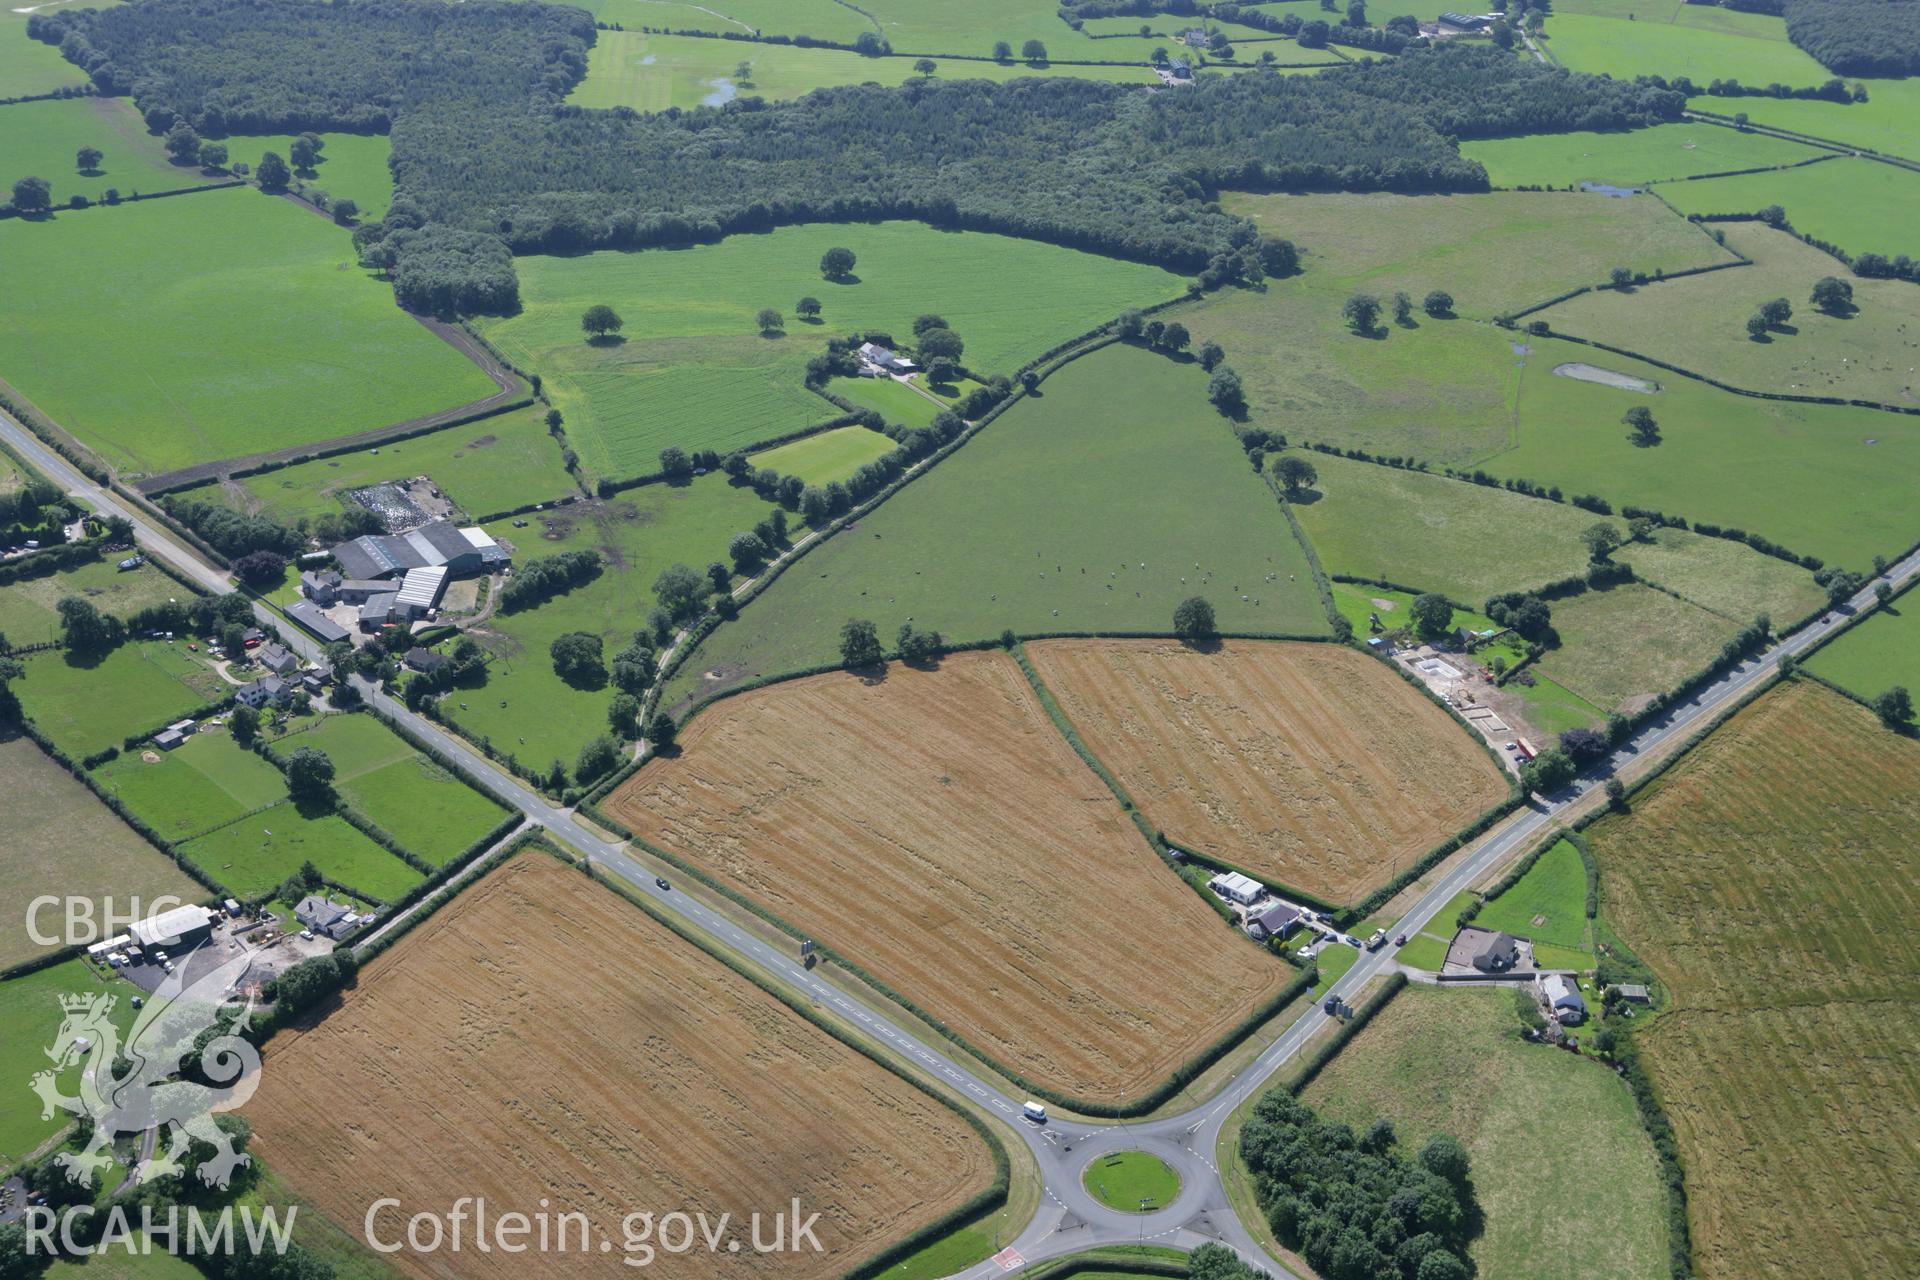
(1858, 37)
(487, 156)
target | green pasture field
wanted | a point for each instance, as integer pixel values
(829, 455)
(1099, 504)
(691, 369)
(1549, 904)
(255, 854)
(1466, 541)
(1874, 655)
(205, 781)
(1767, 881)
(1628, 642)
(1827, 480)
(30, 1018)
(1126, 1180)
(39, 139)
(1623, 50)
(86, 707)
(1887, 122)
(495, 464)
(1700, 322)
(523, 707)
(1630, 157)
(1557, 1148)
(1864, 206)
(412, 799)
(887, 398)
(1724, 577)
(29, 612)
(59, 839)
(1357, 603)
(350, 164)
(651, 72)
(292, 342)
(1494, 252)
(821, 19)
(1553, 708)
(30, 67)
(1681, 13)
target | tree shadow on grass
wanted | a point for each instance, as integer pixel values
(1304, 497)
(606, 340)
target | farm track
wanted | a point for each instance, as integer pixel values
(1068, 1220)
(509, 395)
(1313, 766)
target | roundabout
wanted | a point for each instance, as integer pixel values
(1131, 1181)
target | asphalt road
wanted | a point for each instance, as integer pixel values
(1069, 1219)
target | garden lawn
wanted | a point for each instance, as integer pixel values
(651, 72)
(1626, 643)
(1874, 655)
(1631, 157)
(889, 399)
(1549, 904)
(353, 165)
(204, 782)
(30, 1018)
(59, 839)
(495, 464)
(427, 809)
(291, 342)
(39, 139)
(691, 369)
(29, 612)
(1097, 505)
(1623, 50)
(1886, 122)
(1557, 1150)
(252, 856)
(1700, 322)
(86, 707)
(828, 455)
(1864, 206)
(523, 707)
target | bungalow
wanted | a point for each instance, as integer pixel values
(276, 658)
(1276, 921)
(878, 357)
(425, 661)
(1563, 996)
(332, 919)
(1498, 953)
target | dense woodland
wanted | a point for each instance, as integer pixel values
(1858, 37)
(486, 153)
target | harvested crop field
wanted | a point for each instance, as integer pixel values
(1768, 879)
(609, 1066)
(937, 830)
(1311, 765)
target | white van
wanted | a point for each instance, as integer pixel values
(1034, 1112)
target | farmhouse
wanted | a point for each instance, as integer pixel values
(1235, 887)
(383, 557)
(875, 358)
(320, 586)
(1563, 997)
(264, 690)
(324, 629)
(332, 919)
(276, 658)
(179, 929)
(1276, 921)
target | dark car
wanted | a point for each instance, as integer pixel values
(662, 882)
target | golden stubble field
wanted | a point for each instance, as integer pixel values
(936, 829)
(1770, 880)
(540, 1037)
(1309, 764)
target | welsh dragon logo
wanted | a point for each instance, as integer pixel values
(127, 1089)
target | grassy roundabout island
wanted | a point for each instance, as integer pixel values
(1132, 1181)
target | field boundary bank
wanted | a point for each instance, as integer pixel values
(509, 395)
(994, 1196)
(133, 197)
(1182, 1075)
(1659, 277)
(1754, 126)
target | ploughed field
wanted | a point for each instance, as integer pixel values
(936, 829)
(609, 1067)
(1310, 765)
(1768, 879)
